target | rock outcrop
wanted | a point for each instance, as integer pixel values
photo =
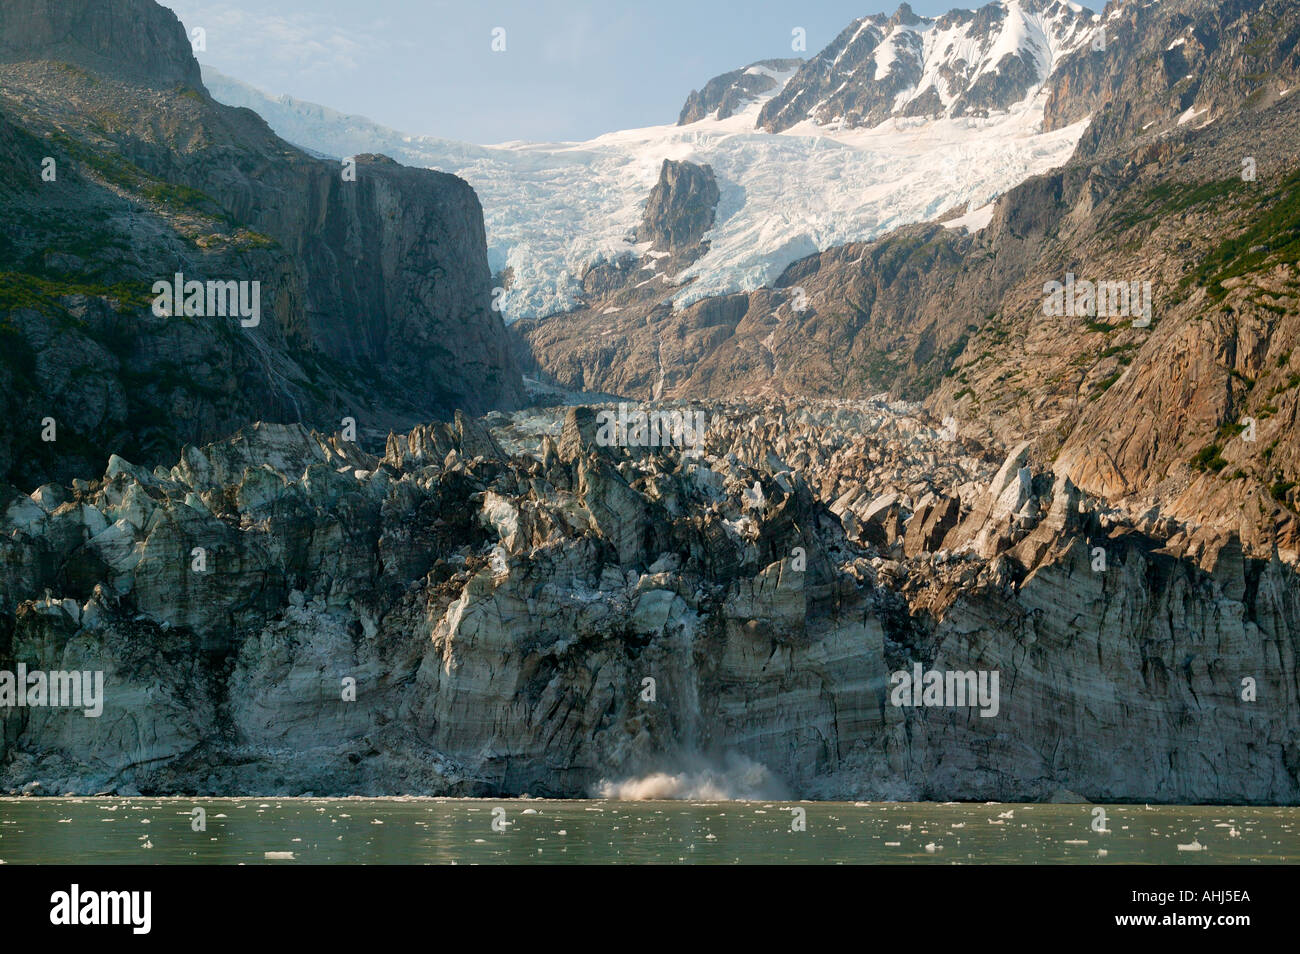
(1162, 63)
(681, 207)
(725, 95)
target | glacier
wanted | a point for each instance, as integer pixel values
(553, 209)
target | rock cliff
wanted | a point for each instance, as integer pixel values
(120, 172)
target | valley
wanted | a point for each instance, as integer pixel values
(963, 347)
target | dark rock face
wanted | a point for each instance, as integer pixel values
(1163, 60)
(681, 206)
(135, 40)
(930, 525)
(375, 291)
(725, 95)
(964, 63)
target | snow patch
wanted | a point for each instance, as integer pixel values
(973, 221)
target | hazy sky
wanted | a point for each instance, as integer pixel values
(571, 69)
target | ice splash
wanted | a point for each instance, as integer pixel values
(738, 778)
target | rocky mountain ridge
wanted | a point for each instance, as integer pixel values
(1175, 61)
(964, 63)
(120, 171)
(723, 96)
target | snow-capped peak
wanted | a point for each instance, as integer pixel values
(948, 113)
(725, 95)
(966, 62)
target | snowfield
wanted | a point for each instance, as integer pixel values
(552, 209)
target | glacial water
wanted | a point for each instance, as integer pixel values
(477, 831)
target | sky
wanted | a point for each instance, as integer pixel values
(570, 69)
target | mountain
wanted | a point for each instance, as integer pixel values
(1099, 507)
(1160, 191)
(1176, 63)
(557, 211)
(723, 96)
(964, 63)
(120, 172)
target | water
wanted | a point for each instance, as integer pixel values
(460, 831)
